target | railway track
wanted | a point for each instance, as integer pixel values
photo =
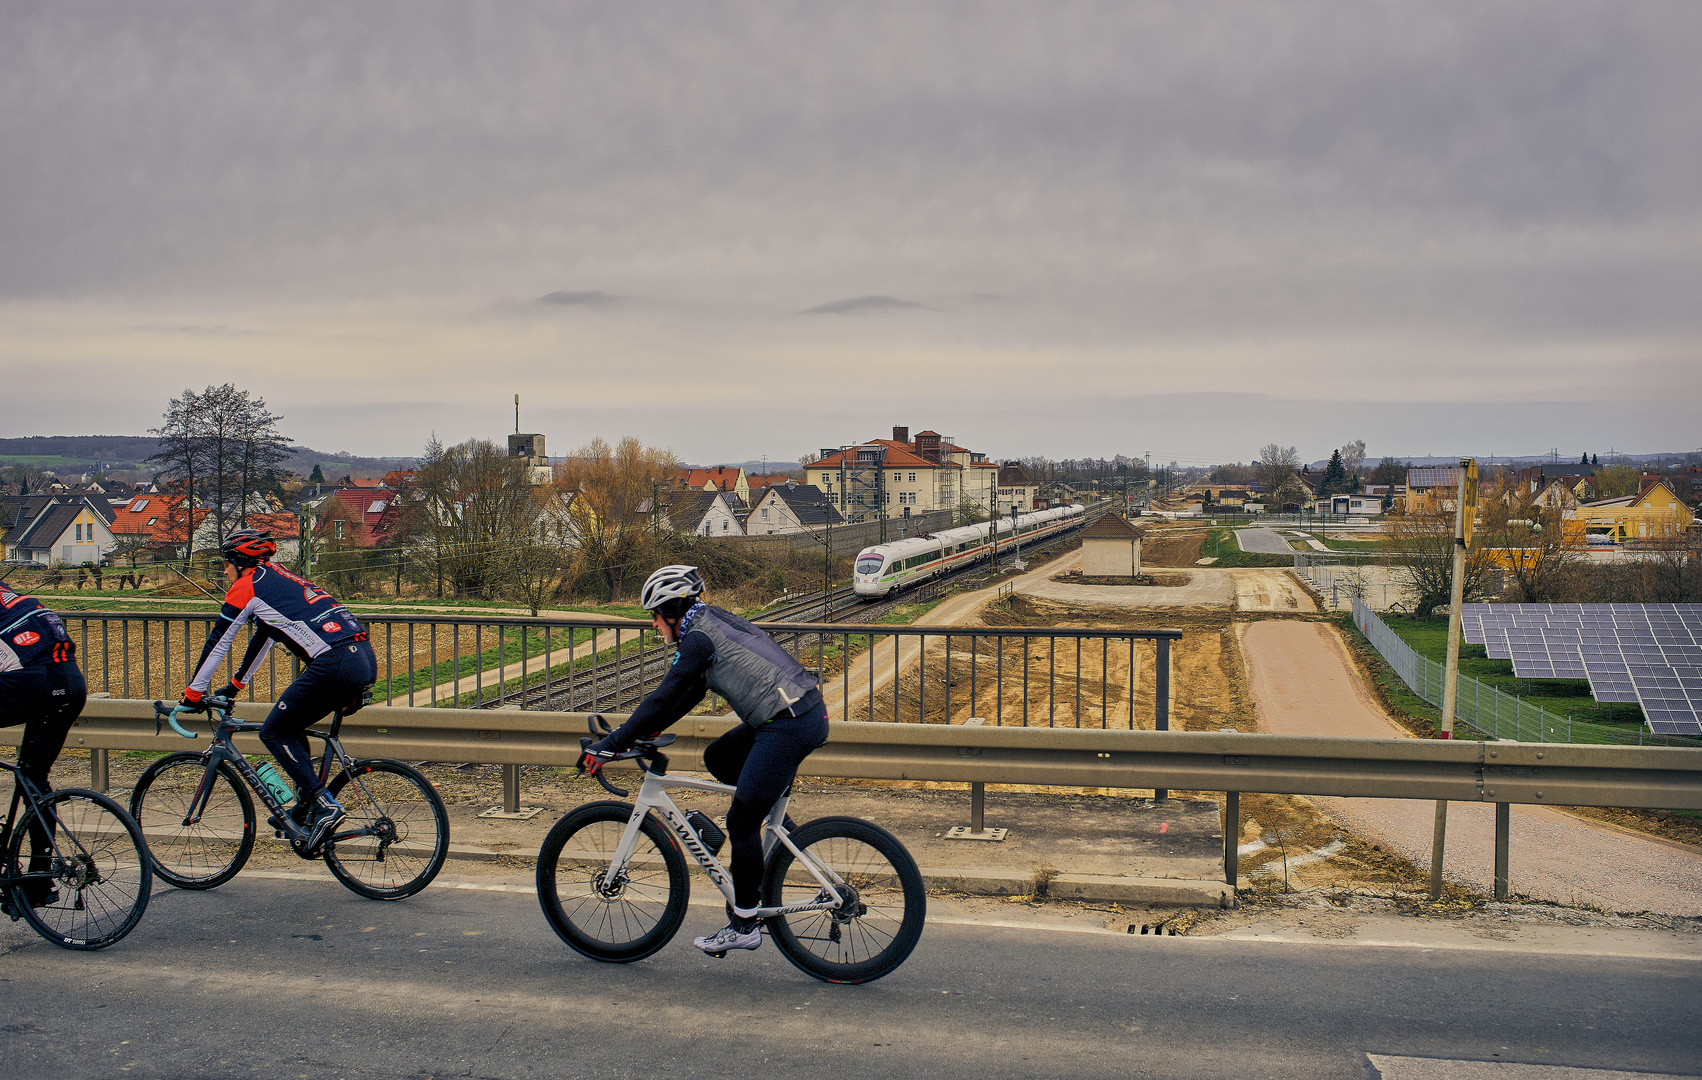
(619, 684)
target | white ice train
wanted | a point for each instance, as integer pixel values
(886, 568)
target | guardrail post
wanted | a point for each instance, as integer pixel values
(511, 789)
(1231, 836)
(98, 778)
(1503, 821)
(978, 806)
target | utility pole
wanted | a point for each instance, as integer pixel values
(1465, 515)
(516, 414)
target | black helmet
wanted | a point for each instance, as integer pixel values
(248, 547)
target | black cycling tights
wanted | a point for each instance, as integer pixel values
(761, 763)
(331, 680)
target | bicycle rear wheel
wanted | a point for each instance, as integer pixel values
(401, 830)
(99, 866)
(615, 919)
(879, 923)
(208, 852)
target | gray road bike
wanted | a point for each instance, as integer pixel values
(199, 818)
(83, 859)
(841, 897)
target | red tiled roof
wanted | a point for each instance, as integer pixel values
(897, 455)
(722, 477)
(363, 509)
(157, 517)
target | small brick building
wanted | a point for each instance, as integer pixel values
(1110, 547)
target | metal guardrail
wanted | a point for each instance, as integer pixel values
(1500, 773)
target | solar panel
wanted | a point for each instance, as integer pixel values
(1647, 654)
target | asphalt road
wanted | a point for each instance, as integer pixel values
(274, 978)
(1264, 541)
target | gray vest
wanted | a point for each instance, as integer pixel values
(755, 675)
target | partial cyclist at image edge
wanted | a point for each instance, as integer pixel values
(42, 688)
(338, 662)
(784, 719)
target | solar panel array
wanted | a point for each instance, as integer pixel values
(1650, 654)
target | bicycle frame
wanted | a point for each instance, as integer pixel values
(25, 791)
(223, 749)
(653, 798)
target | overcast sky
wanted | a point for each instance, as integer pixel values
(748, 229)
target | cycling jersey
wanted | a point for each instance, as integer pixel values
(31, 635)
(284, 608)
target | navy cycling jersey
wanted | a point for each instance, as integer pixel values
(31, 635)
(284, 608)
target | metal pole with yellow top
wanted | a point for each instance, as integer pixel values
(1465, 515)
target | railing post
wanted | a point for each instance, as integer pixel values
(511, 789)
(98, 778)
(978, 806)
(1162, 719)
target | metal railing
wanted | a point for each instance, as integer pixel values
(1487, 709)
(1012, 676)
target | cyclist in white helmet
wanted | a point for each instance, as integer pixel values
(782, 709)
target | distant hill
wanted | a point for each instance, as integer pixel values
(80, 453)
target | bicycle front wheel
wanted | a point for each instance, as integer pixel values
(881, 918)
(619, 917)
(200, 854)
(94, 868)
(396, 836)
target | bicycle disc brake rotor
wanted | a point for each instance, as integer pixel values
(609, 889)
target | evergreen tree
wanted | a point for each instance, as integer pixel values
(318, 476)
(1585, 460)
(1335, 476)
(1595, 462)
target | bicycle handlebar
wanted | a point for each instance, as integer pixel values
(646, 752)
(213, 702)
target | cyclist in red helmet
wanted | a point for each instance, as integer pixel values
(332, 644)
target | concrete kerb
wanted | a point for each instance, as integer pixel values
(1091, 888)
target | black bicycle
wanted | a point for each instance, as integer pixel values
(200, 819)
(73, 865)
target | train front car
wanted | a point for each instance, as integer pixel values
(866, 577)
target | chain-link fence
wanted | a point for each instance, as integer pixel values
(1486, 709)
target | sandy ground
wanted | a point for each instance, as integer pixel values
(1242, 589)
(1302, 682)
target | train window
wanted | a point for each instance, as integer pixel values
(869, 565)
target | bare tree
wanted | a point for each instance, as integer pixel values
(1276, 466)
(610, 492)
(1353, 456)
(1423, 539)
(1532, 543)
(181, 461)
(262, 447)
(474, 502)
(1615, 481)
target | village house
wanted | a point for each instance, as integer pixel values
(790, 508)
(689, 510)
(1654, 513)
(56, 529)
(898, 477)
(720, 478)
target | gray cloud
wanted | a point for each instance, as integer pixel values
(578, 299)
(1317, 193)
(863, 305)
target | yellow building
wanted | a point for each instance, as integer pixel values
(1654, 513)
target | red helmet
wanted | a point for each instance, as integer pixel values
(248, 547)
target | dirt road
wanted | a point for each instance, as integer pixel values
(1238, 589)
(1302, 683)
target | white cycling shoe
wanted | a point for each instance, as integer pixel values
(730, 937)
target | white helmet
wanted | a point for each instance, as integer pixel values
(670, 583)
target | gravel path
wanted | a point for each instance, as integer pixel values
(1302, 683)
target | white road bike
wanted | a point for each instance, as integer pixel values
(841, 897)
